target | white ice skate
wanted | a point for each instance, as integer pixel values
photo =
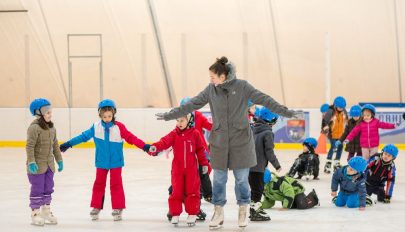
(191, 219)
(36, 218)
(117, 214)
(175, 220)
(306, 177)
(218, 218)
(243, 218)
(94, 214)
(370, 201)
(47, 215)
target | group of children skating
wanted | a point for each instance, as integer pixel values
(191, 168)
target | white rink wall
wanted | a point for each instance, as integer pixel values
(141, 121)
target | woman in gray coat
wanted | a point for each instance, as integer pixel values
(231, 141)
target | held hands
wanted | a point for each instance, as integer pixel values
(152, 151)
(33, 168)
(204, 170)
(64, 146)
(346, 141)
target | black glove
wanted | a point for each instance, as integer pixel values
(403, 116)
(64, 146)
(146, 147)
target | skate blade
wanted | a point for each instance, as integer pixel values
(217, 227)
(118, 218)
(51, 223)
(37, 224)
(94, 218)
(191, 224)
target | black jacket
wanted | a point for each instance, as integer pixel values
(354, 145)
(264, 143)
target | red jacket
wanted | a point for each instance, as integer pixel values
(369, 136)
(201, 122)
(186, 145)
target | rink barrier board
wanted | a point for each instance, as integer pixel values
(282, 146)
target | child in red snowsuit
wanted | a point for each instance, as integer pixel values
(189, 152)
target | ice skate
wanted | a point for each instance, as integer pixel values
(117, 214)
(257, 213)
(175, 220)
(36, 218)
(218, 218)
(242, 216)
(328, 167)
(47, 215)
(191, 219)
(201, 215)
(94, 214)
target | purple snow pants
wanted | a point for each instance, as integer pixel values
(41, 189)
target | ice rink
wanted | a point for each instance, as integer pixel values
(146, 180)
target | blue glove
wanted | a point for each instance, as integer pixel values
(33, 168)
(60, 165)
(146, 147)
(64, 146)
(338, 143)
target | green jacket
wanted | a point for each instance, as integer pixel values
(283, 189)
(42, 147)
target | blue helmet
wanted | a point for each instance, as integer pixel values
(369, 107)
(340, 102)
(310, 142)
(266, 176)
(267, 115)
(250, 103)
(324, 108)
(358, 163)
(391, 149)
(355, 111)
(185, 100)
(37, 104)
(106, 103)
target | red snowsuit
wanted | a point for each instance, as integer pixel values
(185, 179)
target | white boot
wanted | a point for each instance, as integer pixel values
(47, 215)
(218, 218)
(117, 214)
(94, 214)
(175, 220)
(191, 219)
(243, 219)
(36, 218)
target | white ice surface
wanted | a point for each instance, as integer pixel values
(146, 180)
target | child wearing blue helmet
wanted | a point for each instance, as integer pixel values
(108, 135)
(351, 179)
(42, 151)
(335, 122)
(381, 173)
(353, 147)
(264, 143)
(307, 163)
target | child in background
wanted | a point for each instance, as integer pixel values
(368, 130)
(189, 152)
(108, 135)
(42, 150)
(264, 142)
(307, 163)
(287, 190)
(335, 122)
(353, 147)
(351, 179)
(381, 173)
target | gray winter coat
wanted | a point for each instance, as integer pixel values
(264, 143)
(231, 140)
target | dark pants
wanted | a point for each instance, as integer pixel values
(206, 185)
(41, 189)
(378, 190)
(256, 186)
(331, 150)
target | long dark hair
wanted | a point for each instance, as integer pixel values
(43, 124)
(220, 67)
